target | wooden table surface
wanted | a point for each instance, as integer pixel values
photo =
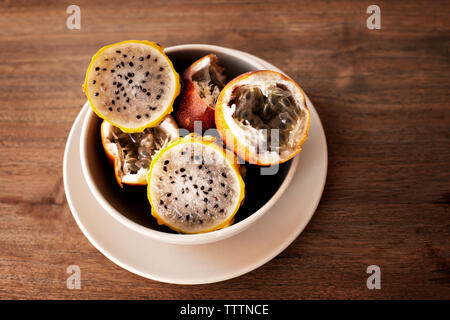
(382, 95)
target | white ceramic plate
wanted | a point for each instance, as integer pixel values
(203, 263)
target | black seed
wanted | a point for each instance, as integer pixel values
(123, 64)
(126, 78)
(96, 69)
(93, 81)
(166, 162)
(148, 94)
(153, 108)
(116, 92)
(165, 207)
(183, 176)
(118, 109)
(195, 186)
(121, 89)
(138, 117)
(183, 153)
(209, 189)
(197, 194)
(210, 181)
(112, 70)
(124, 55)
(176, 198)
(117, 98)
(186, 205)
(110, 109)
(172, 182)
(200, 166)
(130, 74)
(201, 221)
(161, 68)
(96, 94)
(190, 178)
(125, 94)
(141, 59)
(162, 82)
(202, 188)
(147, 115)
(205, 210)
(205, 192)
(119, 85)
(176, 171)
(148, 57)
(208, 172)
(187, 218)
(131, 64)
(144, 90)
(119, 76)
(221, 210)
(143, 81)
(156, 59)
(205, 199)
(225, 195)
(128, 99)
(161, 202)
(124, 108)
(118, 51)
(158, 97)
(224, 174)
(165, 168)
(114, 83)
(113, 102)
(182, 191)
(216, 206)
(117, 65)
(169, 194)
(147, 73)
(182, 170)
(130, 81)
(104, 69)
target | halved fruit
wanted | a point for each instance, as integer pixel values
(194, 185)
(262, 116)
(131, 153)
(131, 84)
(203, 81)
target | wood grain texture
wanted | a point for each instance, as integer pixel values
(383, 97)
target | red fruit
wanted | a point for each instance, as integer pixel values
(203, 81)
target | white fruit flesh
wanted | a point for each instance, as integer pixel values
(131, 84)
(193, 187)
(208, 79)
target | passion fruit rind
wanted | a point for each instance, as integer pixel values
(262, 115)
(132, 153)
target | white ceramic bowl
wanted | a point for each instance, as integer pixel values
(130, 206)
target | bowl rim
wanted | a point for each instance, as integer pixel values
(184, 239)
